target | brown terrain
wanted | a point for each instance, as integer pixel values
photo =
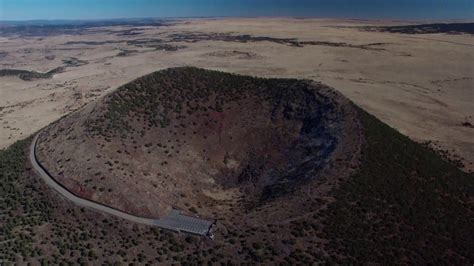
(421, 84)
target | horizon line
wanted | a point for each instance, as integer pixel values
(466, 20)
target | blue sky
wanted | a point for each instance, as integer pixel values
(105, 9)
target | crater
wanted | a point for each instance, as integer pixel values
(203, 141)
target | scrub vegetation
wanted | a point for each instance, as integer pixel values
(27, 75)
(404, 205)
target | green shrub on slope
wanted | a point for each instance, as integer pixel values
(405, 204)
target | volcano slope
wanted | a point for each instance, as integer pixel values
(203, 141)
(320, 181)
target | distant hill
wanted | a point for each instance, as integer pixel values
(35, 28)
(450, 28)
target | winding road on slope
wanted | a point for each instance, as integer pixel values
(174, 221)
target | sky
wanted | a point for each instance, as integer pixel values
(362, 9)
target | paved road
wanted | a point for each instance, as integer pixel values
(175, 221)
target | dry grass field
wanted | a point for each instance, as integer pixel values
(420, 84)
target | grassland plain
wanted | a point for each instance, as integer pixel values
(388, 71)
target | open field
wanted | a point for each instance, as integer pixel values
(421, 84)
